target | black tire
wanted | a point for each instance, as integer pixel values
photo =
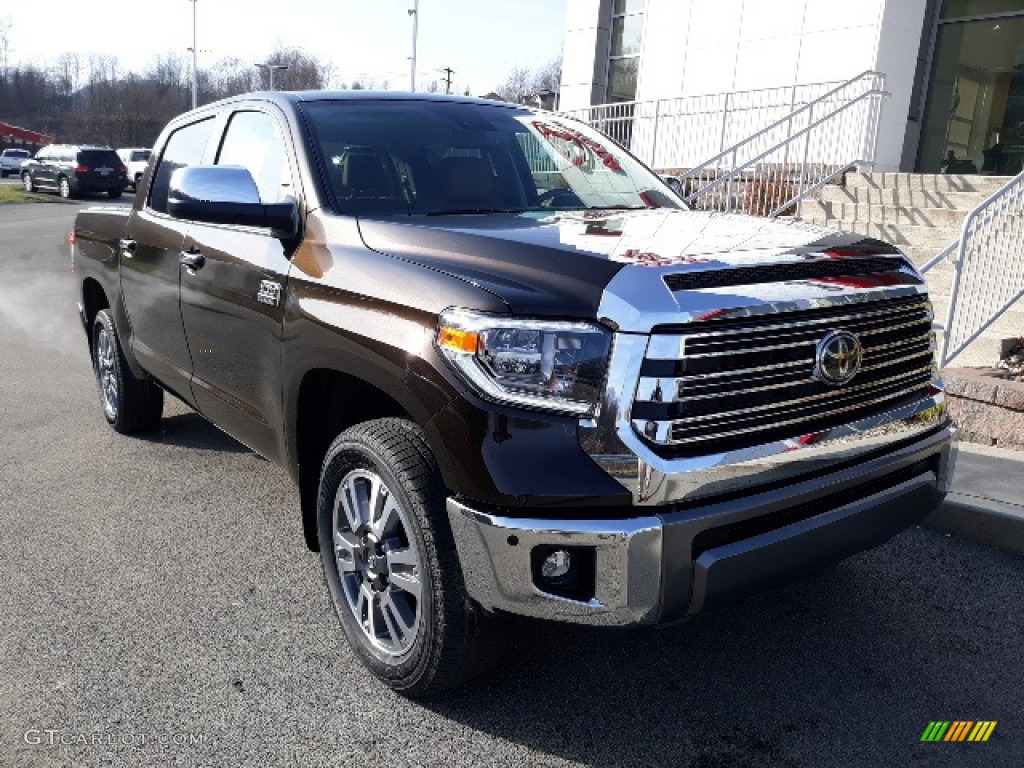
(455, 640)
(3, 174)
(115, 193)
(64, 187)
(137, 404)
(27, 183)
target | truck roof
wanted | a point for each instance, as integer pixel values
(296, 97)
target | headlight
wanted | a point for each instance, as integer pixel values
(551, 364)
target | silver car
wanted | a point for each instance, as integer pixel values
(11, 160)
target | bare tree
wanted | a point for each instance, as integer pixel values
(522, 85)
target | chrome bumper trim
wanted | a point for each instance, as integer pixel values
(497, 572)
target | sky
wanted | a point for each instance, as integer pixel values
(482, 40)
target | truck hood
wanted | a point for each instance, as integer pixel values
(561, 263)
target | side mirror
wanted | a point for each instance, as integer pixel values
(227, 194)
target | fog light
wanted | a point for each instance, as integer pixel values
(556, 566)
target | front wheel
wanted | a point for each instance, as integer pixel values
(26, 182)
(129, 404)
(114, 193)
(64, 186)
(390, 563)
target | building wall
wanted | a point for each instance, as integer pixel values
(695, 47)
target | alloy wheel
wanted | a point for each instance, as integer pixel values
(26, 182)
(106, 372)
(378, 562)
(65, 189)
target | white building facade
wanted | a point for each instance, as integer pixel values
(954, 69)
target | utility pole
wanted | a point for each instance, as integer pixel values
(448, 72)
(415, 13)
(195, 58)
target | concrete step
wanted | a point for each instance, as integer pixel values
(931, 181)
(893, 214)
(915, 198)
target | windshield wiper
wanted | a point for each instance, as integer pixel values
(462, 211)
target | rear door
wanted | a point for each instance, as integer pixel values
(150, 266)
(233, 305)
(42, 171)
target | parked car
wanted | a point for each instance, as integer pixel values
(73, 170)
(135, 160)
(11, 160)
(509, 370)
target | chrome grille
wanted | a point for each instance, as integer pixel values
(728, 384)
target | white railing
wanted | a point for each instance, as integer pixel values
(988, 268)
(678, 133)
(774, 170)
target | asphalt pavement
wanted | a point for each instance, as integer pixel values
(158, 604)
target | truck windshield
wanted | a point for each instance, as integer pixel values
(439, 158)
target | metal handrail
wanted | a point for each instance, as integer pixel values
(987, 280)
(679, 132)
(636, 103)
(775, 148)
(809, 107)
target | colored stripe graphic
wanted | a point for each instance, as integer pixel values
(935, 730)
(958, 730)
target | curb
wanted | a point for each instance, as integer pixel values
(986, 502)
(985, 521)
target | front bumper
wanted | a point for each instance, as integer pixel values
(673, 561)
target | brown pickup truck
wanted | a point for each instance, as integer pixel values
(511, 372)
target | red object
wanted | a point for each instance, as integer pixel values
(81, 169)
(32, 137)
(72, 238)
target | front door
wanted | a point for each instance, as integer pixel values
(232, 304)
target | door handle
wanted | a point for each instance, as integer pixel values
(128, 247)
(192, 259)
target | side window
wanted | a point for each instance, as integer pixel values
(253, 141)
(184, 148)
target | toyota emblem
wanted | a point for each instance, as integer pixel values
(838, 357)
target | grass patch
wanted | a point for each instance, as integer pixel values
(12, 194)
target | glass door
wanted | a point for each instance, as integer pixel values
(974, 119)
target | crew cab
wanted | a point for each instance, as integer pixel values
(510, 371)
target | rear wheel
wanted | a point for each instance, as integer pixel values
(64, 186)
(115, 193)
(26, 182)
(129, 404)
(391, 566)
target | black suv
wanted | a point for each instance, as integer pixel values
(72, 170)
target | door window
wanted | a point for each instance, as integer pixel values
(253, 141)
(185, 147)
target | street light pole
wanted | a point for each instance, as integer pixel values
(415, 13)
(195, 59)
(270, 68)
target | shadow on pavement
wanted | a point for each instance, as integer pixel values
(841, 659)
(190, 430)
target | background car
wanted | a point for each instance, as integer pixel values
(11, 160)
(135, 159)
(72, 170)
